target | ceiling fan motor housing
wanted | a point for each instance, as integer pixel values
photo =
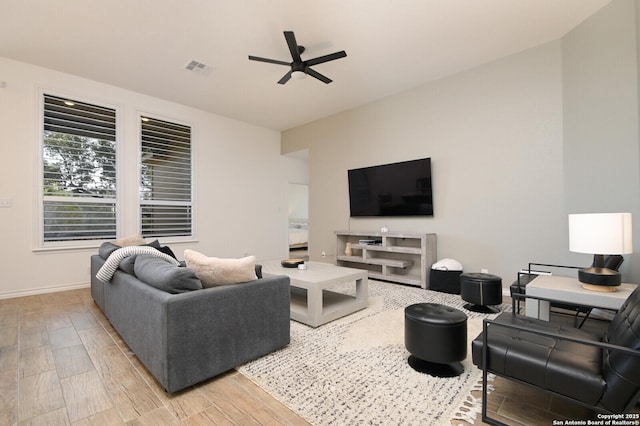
(299, 66)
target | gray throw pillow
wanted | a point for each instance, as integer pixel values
(128, 264)
(162, 275)
(106, 248)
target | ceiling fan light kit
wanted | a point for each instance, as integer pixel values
(298, 75)
(299, 69)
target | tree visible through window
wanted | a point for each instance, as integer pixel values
(79, 171)
(165, 185)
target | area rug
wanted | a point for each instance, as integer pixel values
(354, 371)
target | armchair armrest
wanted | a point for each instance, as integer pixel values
(551, 265)
(531, 272)
(596, 343)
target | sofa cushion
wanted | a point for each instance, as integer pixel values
(162, 275)
(214, 271)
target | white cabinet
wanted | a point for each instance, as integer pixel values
(399, 257)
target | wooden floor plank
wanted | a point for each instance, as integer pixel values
(36, 360)
(8, 335)
(186, 403)
(56, 417)
(8, 358)
(64, 337)
(109, 417)
(84, 395)
(39, 394)
(131, 394)
(71, 361)
(32, 337)
(8, 398)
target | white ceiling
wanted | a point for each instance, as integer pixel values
(392, 46)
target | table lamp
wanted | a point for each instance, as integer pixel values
(600, 234)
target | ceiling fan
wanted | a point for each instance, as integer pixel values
(300, 68)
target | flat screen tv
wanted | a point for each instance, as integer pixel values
(396, 189)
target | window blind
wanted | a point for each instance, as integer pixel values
(79, 170)
(165, 186)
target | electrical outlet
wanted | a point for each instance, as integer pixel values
(484, 271)
(324, 254)
(5, 202)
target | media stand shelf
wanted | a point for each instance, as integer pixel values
(404, 258)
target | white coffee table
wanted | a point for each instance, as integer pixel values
(311, 301)
(569, 290)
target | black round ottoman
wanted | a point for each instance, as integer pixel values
(481, 290)
(436, 337)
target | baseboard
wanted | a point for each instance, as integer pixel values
(14, 294)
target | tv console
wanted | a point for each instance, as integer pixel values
(404, 258)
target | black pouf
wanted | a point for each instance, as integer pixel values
(481, 290)
(436, 337)
(445, 281)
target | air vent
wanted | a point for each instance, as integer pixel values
(198, 67)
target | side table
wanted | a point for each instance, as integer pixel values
(568, 289)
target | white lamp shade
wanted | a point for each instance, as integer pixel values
(600, 233)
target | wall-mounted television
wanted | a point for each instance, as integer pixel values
(395, 189)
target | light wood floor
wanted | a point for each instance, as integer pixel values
(62, 363)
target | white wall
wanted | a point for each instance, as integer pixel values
(601, 152)
(241, 180)
(494, 135)
(505, 170)
(298, 199)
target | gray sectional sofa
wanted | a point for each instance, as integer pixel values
(188, 336)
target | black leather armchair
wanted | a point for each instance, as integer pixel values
(600, 372)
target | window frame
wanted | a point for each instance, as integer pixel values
(39, 239)
(192, 146)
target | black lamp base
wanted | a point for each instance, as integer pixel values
(602, 279)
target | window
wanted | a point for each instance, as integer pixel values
(78, 170)
(165, 179)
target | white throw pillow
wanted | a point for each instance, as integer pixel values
(131, 240)
(213, 271)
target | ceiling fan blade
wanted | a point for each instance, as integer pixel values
(271, 61)
(319, 76)
(285, 78)
(326, 58)
(293, 46)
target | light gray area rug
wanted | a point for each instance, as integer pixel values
(354, 371)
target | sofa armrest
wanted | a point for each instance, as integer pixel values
(213, 330)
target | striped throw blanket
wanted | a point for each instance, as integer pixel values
(111, 264)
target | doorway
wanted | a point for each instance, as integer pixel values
(298, 216)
